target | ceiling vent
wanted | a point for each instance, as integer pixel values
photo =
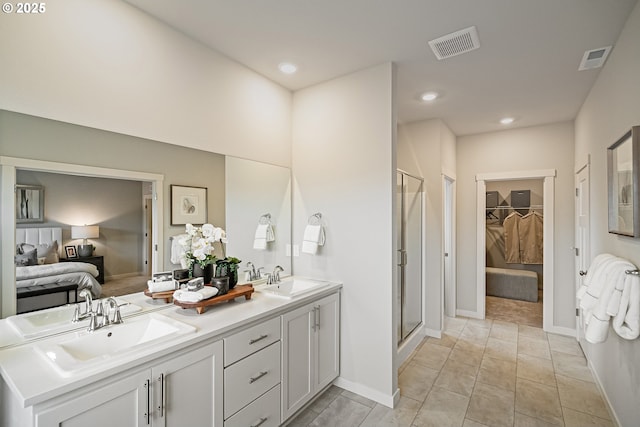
(594, 58)
(457, 43)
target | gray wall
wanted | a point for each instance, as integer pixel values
(42, 139)
(609, 111)
(113, 204)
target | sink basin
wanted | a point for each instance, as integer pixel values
(293, 287)
(89, 349)
(54, 320)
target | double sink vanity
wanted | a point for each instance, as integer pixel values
(246, 363)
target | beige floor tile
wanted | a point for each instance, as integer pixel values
(468, 357)
(498, 372)
(505, 325)
(470, 346)
(538, 401)
(460, 365)
(360, 399)
(483, 323)
(563, 344)
(304, 418)
(454, 325)
(492, 406)
(531, 331)
(504, 333)
(499, 349)
(342, 411)
(579, 419)
(534, 347)
(415, 381)
(432, 356)
(475, 332)
(442, 408)
(326, 398)
(452, 380)
(536, 369)
(400, 416)
(471, 423)
(523, 420)
(571, 366)
(581, 396)
(446, 340)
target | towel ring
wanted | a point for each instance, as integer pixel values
(265, 219)
(315, 219)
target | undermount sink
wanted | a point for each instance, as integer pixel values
(58, 319)
(292, 287)
(89, 349)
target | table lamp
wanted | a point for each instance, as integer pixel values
(85, 232)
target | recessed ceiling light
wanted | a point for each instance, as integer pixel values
(288, 67)
(506, 120)
(429, 96)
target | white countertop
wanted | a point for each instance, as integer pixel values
(33, 380)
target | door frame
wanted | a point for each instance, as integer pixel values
(583, 166)
(549, 176)
(448, 288)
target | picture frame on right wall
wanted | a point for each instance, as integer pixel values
(623, 167)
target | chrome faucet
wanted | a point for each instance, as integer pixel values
(275, 276)
(88, 302)
(113, 305)
(252, 271)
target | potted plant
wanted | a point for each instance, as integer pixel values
(198, 255)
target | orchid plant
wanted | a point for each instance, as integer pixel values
(198, 244)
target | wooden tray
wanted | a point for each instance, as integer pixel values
(200, 306)
(165, 295)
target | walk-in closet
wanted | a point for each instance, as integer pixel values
(514, 251)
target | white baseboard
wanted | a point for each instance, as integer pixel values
(407, 347)
(435, 333)
(387, 400)
(561, 330)
(466, 313)
(607, 401)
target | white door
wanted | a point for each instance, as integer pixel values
(449, 284)
(582, 237)
(147, 233)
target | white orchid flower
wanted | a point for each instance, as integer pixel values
(207, 230)
(191, 230)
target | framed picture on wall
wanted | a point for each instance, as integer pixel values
(188, 205)
(623, 166)
(29, 204)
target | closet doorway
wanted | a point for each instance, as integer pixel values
(548, 178)
(514, 251)
(410, 234)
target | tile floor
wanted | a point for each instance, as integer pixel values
(481, 373)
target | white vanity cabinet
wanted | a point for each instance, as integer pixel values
(310, 352)
(182, 390)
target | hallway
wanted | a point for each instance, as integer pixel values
(481, 373)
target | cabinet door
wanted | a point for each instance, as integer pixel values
(187, 390)
(297, 359)
(327, 324)
(123, 403)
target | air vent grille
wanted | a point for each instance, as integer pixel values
(457, 43)
(594, 58)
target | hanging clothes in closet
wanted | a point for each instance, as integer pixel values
(531, 238)
(511, 226)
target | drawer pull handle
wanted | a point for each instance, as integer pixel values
(260, 422)
(260, 375)
(255, 340)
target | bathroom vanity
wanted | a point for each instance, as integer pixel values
(248, 362)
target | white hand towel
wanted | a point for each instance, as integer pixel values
(627, 321)
(167, 285)
(313, 237)
(183, 295)
(264, 234)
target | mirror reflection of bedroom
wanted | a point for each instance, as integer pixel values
(514, 252)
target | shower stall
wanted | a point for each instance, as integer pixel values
(409, 231)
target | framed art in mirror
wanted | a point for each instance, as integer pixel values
(29, 204)
(188, 205)
(623, 166)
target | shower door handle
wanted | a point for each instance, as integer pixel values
(403, 257)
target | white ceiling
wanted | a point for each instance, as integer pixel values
(526, 67)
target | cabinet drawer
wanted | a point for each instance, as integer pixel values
(263, 412)
(251, 377)
(251, 340)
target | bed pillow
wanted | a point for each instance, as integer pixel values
(48, 251)
(26, 258)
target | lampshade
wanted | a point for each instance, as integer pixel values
(85, 232)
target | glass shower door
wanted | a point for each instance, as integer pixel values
(409, 204)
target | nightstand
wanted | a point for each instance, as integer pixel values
(97, 260)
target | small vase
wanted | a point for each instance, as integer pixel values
(206, 273)
(225, 269)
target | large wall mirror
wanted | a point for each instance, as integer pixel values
(239, 192)
(623, 164)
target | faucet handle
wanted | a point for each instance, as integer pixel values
(76, 314)
(117, 318)
(100, 309)
(93, 323)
